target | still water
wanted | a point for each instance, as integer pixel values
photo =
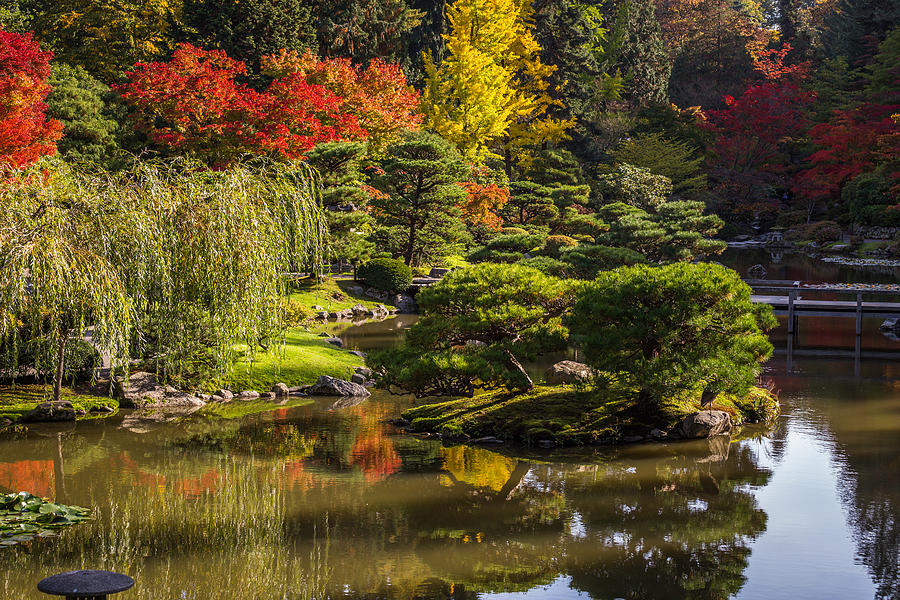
(321, 500)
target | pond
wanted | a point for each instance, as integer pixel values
(326, 501)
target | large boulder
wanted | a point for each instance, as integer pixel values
(51, 412)
(359, 310)
(438, 272)
(757, 272)
(704, 424)
(335, 341)
(341, 314)
(404, 303)
(567, 372)
(377, 294)
(332, 386)
(143, 389)
(281, 390)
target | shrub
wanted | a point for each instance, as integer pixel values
(81, 359)
(869, 196)
(486, 255)
(555, 243)
(790, 218)
(824, 231)
(586, 260)
(549, 266)
(386, 274)
(513, 231)
(295, 313)
(507, 248)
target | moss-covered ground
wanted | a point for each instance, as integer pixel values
(330, 294)
(17, 401)
(299, 361)
(569, 416)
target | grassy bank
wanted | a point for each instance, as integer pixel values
(330, 294)
(16, 402)
(568, 416)
(303, 357)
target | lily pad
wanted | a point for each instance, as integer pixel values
(24, 517)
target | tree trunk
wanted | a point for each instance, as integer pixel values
(645, 403)
(60, 366)
(59, 472)
(411, 246)
(517, 366)
(514, 481)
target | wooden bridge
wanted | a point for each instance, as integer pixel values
(793, 300)
(789, 301)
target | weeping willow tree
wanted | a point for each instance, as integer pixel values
(55, 279)
(221, 243)
(168, 260)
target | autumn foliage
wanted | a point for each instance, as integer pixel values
(755, 131)
(26, 133)
(753, 127)
(377, 95)
(195, 103)
(853, 142)
(483, 202)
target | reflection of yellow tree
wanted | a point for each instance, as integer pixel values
(476, 467)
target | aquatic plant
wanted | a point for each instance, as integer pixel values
(24, 517)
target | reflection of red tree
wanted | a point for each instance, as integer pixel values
(296, 477)
(191, 487)
(376, 456)
(373, 452)
(33, 476)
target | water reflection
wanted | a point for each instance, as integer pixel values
(335, 502)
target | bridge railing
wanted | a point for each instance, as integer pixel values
(792, 290)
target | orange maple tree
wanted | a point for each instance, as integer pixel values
(26, 133)
(377, 95)
(483, 202)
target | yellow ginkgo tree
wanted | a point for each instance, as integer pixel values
(491, 92)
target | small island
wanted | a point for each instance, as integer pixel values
(671, 352)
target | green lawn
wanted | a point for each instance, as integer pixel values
(17, 401)
(568, 416)
(300, 361)
(330, 294)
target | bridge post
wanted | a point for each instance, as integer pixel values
(858, 314)
(792, 295)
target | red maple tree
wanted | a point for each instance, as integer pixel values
(852, 142)
(26, 133)
(196, 104)
(377, 95)
(756, 132)
(483, 202)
